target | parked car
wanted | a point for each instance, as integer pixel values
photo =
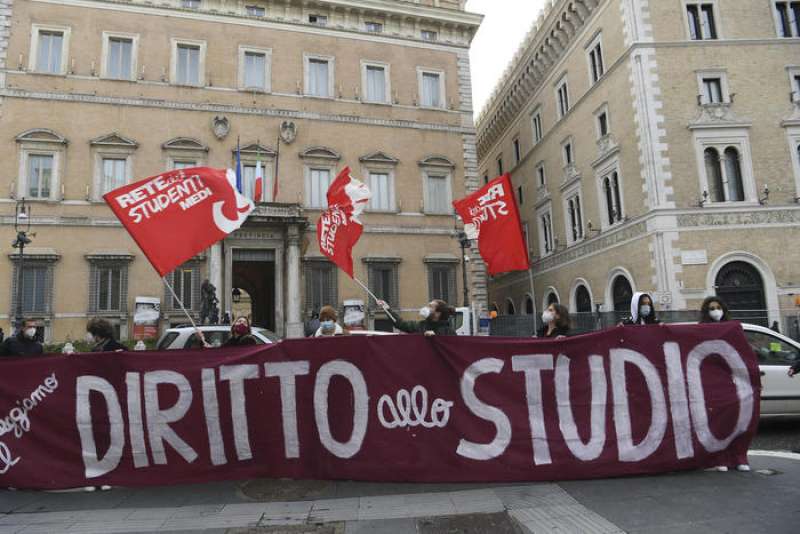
(780, 393)
(371, 333)
(183, 337)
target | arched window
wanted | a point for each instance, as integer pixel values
(714, 175)
(733, 172)
(741, 286)
(622, 293)
(552, 298)
(617, 197)
(510, 309)
(528, 305)
(609, 200)
(583, 300)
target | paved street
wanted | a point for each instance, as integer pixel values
(698, 501)
(778, 434)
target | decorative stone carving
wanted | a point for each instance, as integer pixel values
(606, 144)
(288, 132)
(718, 114)
(221, 127)
(740, 218)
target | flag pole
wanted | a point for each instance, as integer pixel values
(179, 301)
(371, 294)
(277, 168)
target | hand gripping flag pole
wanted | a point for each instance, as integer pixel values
(180, 303)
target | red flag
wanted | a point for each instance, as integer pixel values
(177, 214)
(491, 216)
(338, 227)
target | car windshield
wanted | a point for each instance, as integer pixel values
(167, 340)
(772, 350)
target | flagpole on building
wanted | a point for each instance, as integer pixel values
(277, 166)
(180, 302)
(371, 294)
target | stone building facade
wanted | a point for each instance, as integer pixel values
(97, 93)
(655, 145)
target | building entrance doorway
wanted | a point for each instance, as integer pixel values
(740, 285)
(253, 285)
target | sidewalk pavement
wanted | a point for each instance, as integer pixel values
(764, 500)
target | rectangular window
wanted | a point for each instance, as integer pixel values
(256, 11)
(500, 166)
(49, 52)
(255, 69)
(788, 18)
(575, 217)
(318, 77)
(542, 180)
(321, 286)
(442, 282)
(109, 288)
(569, 157)
(537, 127)
(612, 196)
(431, 90)
(380, 186)
(517, 151)
(702, 25)
(40, 176)
(191, 4)
(596, 62)
(602, 124)
(485, 179)
(249, 182)
(188, 65)
(796, 87)
(383, 281)
(428, 35)
(114, 174)
(319, 20)
(438, 194)
(34, 288)
(374, 27)
(183, 284)
(183, 164)
(712, 91)
(520, 198)
(375, 90)
(320, 181)
(563, 99)
(546, 221)
(120, 58)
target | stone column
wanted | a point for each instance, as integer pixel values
(215, 269)
(294, 322)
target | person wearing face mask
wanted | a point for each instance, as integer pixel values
(327, 323)
(24, 343)
(642, 310)
(714, 310)
(556, 322)
(241, 334)
(435, 319)
(100, 335)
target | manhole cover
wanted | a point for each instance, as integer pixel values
(499, 523)
(269, 490)
(768, 472)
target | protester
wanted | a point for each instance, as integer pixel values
(775, 327)
(714, 310)
(642, 310)
(435, 319)
(241, 334)
(100, 334)
(556, 321)
(24, 343)
(328, 325)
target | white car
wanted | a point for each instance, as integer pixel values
(780, 393)
(183, 337)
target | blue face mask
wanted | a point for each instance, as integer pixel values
(327, 325)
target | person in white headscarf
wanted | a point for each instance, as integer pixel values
(642, 310)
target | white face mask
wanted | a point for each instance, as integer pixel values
(425, 312)
(548, 317)
(89, 338)
(30, 333)
(716, 314)
(645, 311)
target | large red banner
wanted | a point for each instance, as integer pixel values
(180, 213)
(631, 400)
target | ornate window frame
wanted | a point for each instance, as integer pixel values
(442, 87)
(436, 165)
(721, 138)
(44, 142)
(267, 53)
(307, 58)
(387, 89)
(113, 145)
(182, 149)
(380, 162)
(134, 38)
(173, 63)
(36, 29)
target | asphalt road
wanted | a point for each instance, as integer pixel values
(778, 434)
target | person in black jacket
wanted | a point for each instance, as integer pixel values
(100, 334)
(556, 322)
(24, 343)
(241, 334)
(435, 319)
(642, 310)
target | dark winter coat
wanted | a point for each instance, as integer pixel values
(241, 341)
(557, 331)
(109, 345)
(20, 345)
(440, 328)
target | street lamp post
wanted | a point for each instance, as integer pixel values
(465, 243)
(22, 225)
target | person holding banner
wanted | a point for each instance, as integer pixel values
(435, 319)
(241, 334)
(714, 310)
(642, 310)
(556, 322)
